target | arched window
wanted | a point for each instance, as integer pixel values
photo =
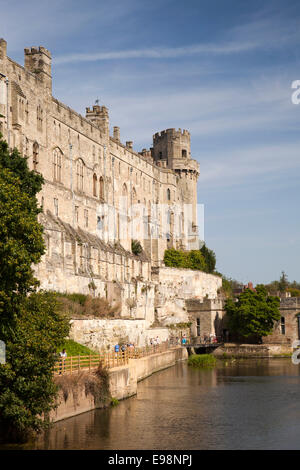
(35, 155)
(134, 197)
(101, 188)
(56, 163)
(79, 175)
(168, 194)
(94, 185)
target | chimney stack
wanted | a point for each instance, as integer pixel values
(3, 49)
(117, 133)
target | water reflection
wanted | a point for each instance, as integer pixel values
(241, 405)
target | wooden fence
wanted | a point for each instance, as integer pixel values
(72, 364)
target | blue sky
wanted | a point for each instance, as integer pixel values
(221, 69)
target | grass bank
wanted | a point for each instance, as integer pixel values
(75, 349)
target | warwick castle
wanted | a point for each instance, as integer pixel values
(100, 197)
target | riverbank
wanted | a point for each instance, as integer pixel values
(253, 350)
(123, 382)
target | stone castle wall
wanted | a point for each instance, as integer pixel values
(100, 194)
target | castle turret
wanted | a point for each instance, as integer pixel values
(98, 115)
(38, 60)
(172, 149)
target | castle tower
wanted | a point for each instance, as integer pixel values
(172, 149)
(171, 145)
(38, 61)
(98, 115)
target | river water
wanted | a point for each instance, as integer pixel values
(249, 404)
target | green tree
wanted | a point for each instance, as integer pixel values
(283, 282)
(209, 258)
(196, 260)
(228, 286)
(253, 314)
(30, 324)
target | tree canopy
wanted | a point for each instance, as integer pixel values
(30, 324)
(253, 314)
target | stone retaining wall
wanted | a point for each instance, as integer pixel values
(123, 383)
(253, 350)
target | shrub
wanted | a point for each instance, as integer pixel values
(86, 305)
(136, 247)
(294, 292)
(95, 383)
(193, 259)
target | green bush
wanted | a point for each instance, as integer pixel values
(136, 247)
(202, 360)
(294, 292)
(193, 259)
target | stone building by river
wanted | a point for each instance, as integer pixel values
(99, 196)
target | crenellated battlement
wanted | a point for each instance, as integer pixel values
(171, 132)
(37, 50)
(96, 110)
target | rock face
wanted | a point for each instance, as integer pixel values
(98, 334)
(176, 286)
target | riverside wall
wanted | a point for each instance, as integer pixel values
(253, 350)
(123, 382)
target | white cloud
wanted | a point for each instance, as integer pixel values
(160, 52)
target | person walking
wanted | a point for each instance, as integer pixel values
(63, 355)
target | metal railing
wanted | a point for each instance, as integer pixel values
(69, 365)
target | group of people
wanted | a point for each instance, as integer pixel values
(210, 339)
(154, 341)
(124, 347)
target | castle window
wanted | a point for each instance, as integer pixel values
(282, 325)
(55, 206)
(183, 153)
(198, 327)
(94, 185)
(86, 217)
(39, 115)
(76, 214)
(21, 109)
(168, 194)
(56, 165)
(27, 112)
(79, 175)
(35, 155)
(160, 155)
(101, 188)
